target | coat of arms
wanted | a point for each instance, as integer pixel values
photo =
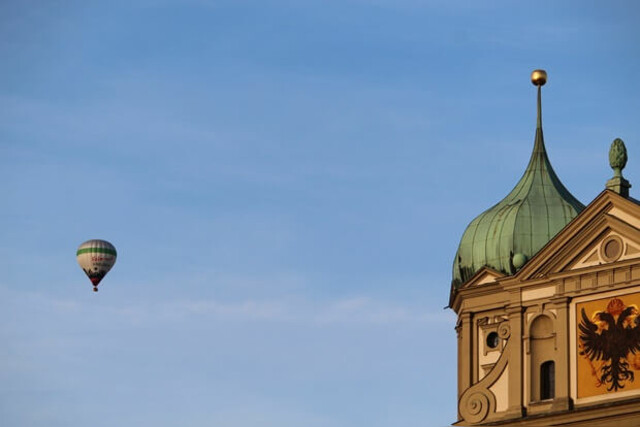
(610, 341)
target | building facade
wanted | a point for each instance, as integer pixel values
(547, 293)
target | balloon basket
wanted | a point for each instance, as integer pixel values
(95, 289)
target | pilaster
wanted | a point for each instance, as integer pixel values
(562, 400)
(516, 408)
(465, 356)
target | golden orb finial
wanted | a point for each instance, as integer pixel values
(539, 77)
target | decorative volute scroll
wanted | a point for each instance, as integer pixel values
(478, 402)
(504, 330)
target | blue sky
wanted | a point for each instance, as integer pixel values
(286, 183)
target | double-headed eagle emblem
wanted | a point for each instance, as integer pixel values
(611, 336)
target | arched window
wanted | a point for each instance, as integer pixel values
(547, 380)
(542, 327)
(541, 357)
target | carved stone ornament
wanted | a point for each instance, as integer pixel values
(504, 330)
(617, 157)
(611, 248)
(478, 402)
(474, 406)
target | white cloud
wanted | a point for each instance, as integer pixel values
(243, 310)
(367, 310)
(347, 310)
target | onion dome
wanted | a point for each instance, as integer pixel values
(507, 235)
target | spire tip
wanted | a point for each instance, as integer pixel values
(539, 77)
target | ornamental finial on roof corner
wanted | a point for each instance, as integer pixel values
(617, 156)
(617, 161)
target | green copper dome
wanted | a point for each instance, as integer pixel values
(505, 236)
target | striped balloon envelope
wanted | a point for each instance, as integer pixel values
(96, 257)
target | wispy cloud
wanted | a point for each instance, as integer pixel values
(364, 309)
(243, 310)
(347, 310)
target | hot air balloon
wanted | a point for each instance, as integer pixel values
(96, 257)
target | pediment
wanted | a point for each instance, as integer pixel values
(611, 247)
(606, 231)
(482, 277)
